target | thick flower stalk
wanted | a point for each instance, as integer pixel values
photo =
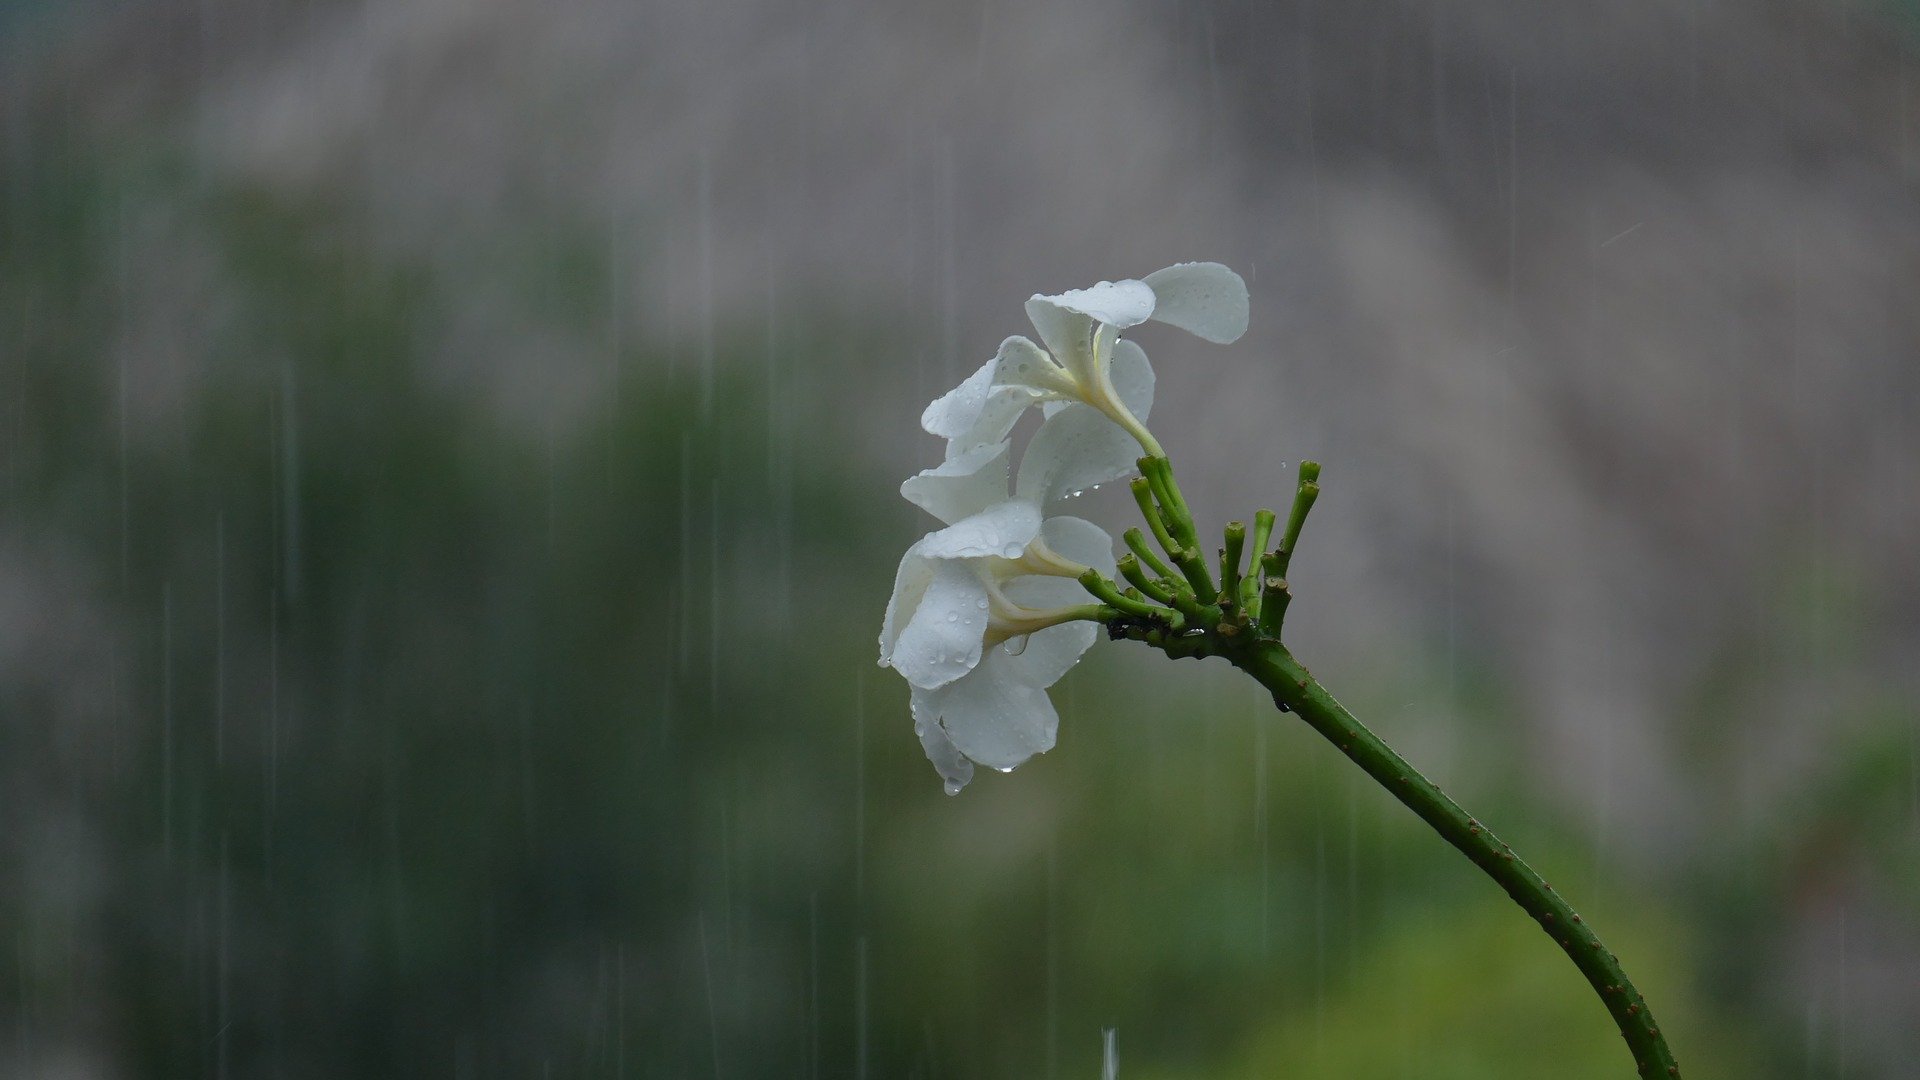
(993, 608)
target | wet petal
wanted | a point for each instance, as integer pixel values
(1117, 303)
(1021, 363)
(954, 768)
(1203, 298)
(1080, 540)
(1075, 449)
(941, 640)
(1049, 654)
(963, 485)
(994, 718)
(1045, 592)
(1003, 409)
(910, 583)
(1068, 336)
(1004, 529)
(1132, 378)
(956, 411)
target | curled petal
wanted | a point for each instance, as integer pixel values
(1049, 654)
(992, 716)
(942, 639)
(953, 766)
(1074, 450)
(1021, 363)
(1068, 335)
(1203, 298)
(1003, 409)
(1045, 593)
(1132, 378)
(910, 583)
(1003, 529)
(961, 486)
(1117, 303)
(957, 410)
(1080, 540)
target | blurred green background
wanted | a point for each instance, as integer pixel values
(440, 642)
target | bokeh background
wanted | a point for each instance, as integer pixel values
(447, 467)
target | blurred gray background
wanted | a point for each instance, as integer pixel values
(1603, 323)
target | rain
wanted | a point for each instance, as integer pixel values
(450, 462)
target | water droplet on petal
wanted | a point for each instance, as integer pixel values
(981, 603)
(1003, 768)
(1011, 551)
(953, 616)
(953, 786)
(884, 662)
(1016, 646)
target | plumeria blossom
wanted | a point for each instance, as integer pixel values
(1085, 359)
(987, 613)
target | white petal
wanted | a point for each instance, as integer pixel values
(941, 639)
(1049, 654)
(957, 410)
(1202, 298)
(1075, 449)
(1021, 363)
(909, 585)
(1116, 303)
(963, 485)
(1132, 378)
(1004, 406)
(993, 717)
(1004, 529)
(1080, 540)
(1045, 592)
(953, 766)
(1069, 337)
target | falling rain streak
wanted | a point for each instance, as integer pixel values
(449, 457)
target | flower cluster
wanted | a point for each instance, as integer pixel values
(988, 612)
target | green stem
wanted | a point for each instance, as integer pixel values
(1178, 521)
(1304, 495)
(1137, 543)
(1142, 490)
(1274, 596)
(1129, 568)
(1195, 571)
(1159, 474)
(1107, 593)
(1294, 688)
(1250, 587)
(1230, 555)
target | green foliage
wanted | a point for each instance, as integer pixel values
(428, 742)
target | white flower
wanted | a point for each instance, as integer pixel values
(1085, 359)
(986, 613)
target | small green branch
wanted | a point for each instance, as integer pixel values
(1142, 489)
(1159, 473)
(1304, 495)
(1236, 537)
(1194, 569)
(1250, 587)
(1130, 569)
(1107, 593)
(1137, 543)
(1274, 596)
